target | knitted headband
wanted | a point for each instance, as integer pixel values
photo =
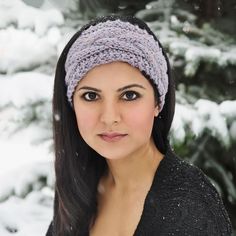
(116, 40)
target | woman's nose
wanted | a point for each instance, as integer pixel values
(110, 113)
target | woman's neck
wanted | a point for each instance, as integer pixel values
(132, 172)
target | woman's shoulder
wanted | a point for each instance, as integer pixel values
(189, 181)
(184, 176)
(187, 192)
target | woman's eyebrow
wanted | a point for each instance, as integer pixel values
(118, 90)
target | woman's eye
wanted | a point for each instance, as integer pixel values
(89, 96)
(128, 96)
(131, 95)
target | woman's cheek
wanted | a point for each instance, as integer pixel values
(85, 119)
(141, 114)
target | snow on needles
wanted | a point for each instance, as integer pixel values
(217, 119)
(28, 216)
(32, 38)
(24, 50)
(25, 88)
(23, 16)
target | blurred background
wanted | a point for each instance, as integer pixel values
(200, 38)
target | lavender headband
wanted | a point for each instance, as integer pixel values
(112, 41)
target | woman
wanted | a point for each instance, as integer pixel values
(116, 173)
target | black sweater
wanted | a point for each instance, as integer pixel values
(181, 201)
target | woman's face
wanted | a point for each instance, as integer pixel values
(109, 107)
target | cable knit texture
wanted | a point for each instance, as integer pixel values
(181, 202)
(115, 40)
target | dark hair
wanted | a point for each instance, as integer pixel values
(78, 167)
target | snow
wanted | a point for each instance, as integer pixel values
(194, 55)
(198, 45)
(228, 109)
(30, 40)
(217, 119)
(28, 216)
(24, 50)
(228, 58)
(36, 86)
(27, 177)
(183, 115)
(23, 16)
(212, 119)
(26, 193)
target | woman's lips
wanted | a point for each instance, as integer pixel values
(112, 138)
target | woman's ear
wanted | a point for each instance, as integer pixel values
(157, 111)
